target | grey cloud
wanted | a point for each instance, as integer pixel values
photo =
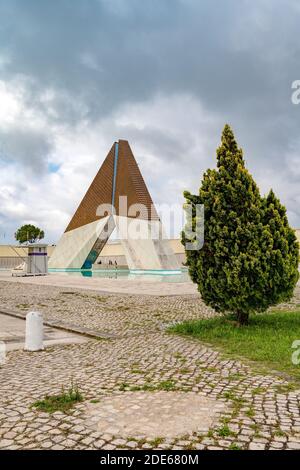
(148, 47)
(156, 141)
(238, 58)
(135, 49)
(26, 147)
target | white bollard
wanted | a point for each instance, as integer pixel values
(34, 332)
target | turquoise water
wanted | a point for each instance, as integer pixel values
(158, 276)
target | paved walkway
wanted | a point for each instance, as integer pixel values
(12, 332)
(257, 411)
(149, 414)
(121, 286)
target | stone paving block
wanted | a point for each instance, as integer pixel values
(293, 445)
(256, 446)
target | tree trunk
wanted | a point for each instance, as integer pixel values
(243, 318)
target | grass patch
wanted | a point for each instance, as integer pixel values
(156, 441)
(23, 306)
(123, 387)
(267, 340)
(230, 395)
(184, 371)
(279, 433)
(136, 371)
(62, 402)
(285, 388)
(224, 431)
(180, 356)
(166, 385)
(234, 377)
(234, 446)
(135, 388)
(250, 412)
(211, 370)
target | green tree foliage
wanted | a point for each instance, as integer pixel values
(29, 233)
(250, 256)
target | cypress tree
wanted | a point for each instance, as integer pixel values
(249, 260)
(283, 259)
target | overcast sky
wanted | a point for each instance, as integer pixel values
(164, 74)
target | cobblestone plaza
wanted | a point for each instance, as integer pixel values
(131, 373)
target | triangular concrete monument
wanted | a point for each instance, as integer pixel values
(118, 197)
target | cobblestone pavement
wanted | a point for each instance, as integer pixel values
(113, 282)
(261, 412)
(124, 315)
(148, 414)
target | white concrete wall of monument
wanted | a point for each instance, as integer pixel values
(114, 248)
(145, 254)
(74, 246)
